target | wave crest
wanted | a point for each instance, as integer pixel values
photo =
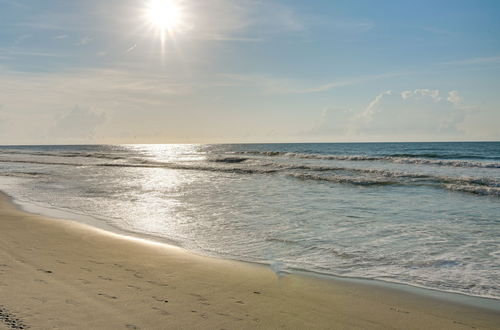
(413, 159)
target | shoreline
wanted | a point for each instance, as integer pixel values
(63, 274)
(492, 303)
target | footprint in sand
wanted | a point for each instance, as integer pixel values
(237, 301)
(134, 287)
(465, 324)
(157, 283)
(160, 299)
(200, 297)
(96, 262)
(107, 296)
(40, 281)
(202, 300)
(399, 310)
(161, 311)
(45, 271)
(3, 268)
(105, 278)
(84, 281)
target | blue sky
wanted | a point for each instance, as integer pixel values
(249, 71)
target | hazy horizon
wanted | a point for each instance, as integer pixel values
(234, 71)
(244, 143)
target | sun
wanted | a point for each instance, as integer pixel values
(164, 15)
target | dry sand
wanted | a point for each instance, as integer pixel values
(57, 274)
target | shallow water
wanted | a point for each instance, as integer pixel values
(425, 214)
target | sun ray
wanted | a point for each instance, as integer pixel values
(166, 19)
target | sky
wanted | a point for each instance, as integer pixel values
(242, 71)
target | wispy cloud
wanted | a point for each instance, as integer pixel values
(34, 101)
(85, 41)
(231, 38)
(21, 38)
(131, 48)
(94, 86)
(61, 36)
(240, 20)
(475, 60)
(42, 25)
(372, 108)
(14, 3)
(278, 85)
(347, 82)
(9, 52)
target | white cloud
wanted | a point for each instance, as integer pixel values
(433, 94)
(392, 117)
(406, 94)
(421, 93)
(454, 97)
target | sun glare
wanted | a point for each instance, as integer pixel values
(164, 15)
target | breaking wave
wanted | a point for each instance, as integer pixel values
(344, 179)
(413, 159)
(474, 189)
(333, 174)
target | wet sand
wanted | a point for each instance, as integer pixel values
(57, 274)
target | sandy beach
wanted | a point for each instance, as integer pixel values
(57, 274)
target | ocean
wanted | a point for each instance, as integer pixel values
(423, 214)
